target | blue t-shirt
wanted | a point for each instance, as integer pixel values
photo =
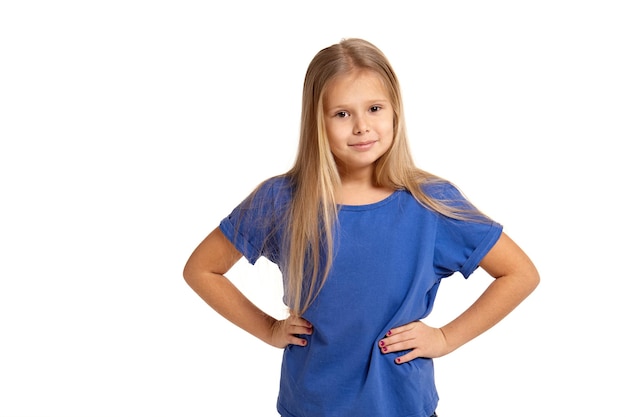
(389, 259)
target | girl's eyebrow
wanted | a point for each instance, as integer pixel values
(370, 102)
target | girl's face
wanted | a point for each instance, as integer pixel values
(359, 120)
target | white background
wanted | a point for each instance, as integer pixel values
(130, 128)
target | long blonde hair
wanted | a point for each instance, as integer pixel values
(314, 175)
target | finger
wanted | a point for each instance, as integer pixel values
(402, 329)
(299, 321)
(407, 357)
(387, 346)
(297, 341)
(299, 329)
(300, 326)
(393, 336)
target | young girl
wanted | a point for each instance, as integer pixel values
(363, 238)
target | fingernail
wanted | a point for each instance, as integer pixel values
(384, 349)
(397, 360)
(382, 343)
(389, 333)
(303, 342)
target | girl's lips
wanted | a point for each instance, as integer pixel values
(363, 146)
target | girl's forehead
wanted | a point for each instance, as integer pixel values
(356, 82)
(359, 75)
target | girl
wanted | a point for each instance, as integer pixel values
(363, 238)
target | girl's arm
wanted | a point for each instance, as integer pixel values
(204, 272)
(515, 278)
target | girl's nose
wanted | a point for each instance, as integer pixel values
(360, 127)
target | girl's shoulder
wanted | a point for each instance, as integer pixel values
(278, 186)
(449, 200)
(441, 189)
(273, 192)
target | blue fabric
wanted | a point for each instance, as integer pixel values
(389, 259)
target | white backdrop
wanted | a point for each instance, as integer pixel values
(130, 128)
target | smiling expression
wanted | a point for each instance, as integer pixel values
(359, 120)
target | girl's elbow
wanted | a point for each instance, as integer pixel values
(532, 278)
(189, 274)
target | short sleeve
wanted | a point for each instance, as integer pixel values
(254, 226)
(461, 244)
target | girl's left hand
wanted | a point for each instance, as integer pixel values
(422, 340)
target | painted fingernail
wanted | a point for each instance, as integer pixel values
(384, 349)
(397, 360)
(303, 342)
(382, 343)
(389, 333)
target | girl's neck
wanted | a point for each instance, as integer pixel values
(359, 192)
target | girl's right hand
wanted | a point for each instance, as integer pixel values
(287, 332)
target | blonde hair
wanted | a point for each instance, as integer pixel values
(314, 176)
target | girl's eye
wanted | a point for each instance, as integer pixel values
(374, 108)
(342, 114)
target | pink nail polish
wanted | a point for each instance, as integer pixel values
(397, 360)
(389, 333)
(384, 349)
(382, 343)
